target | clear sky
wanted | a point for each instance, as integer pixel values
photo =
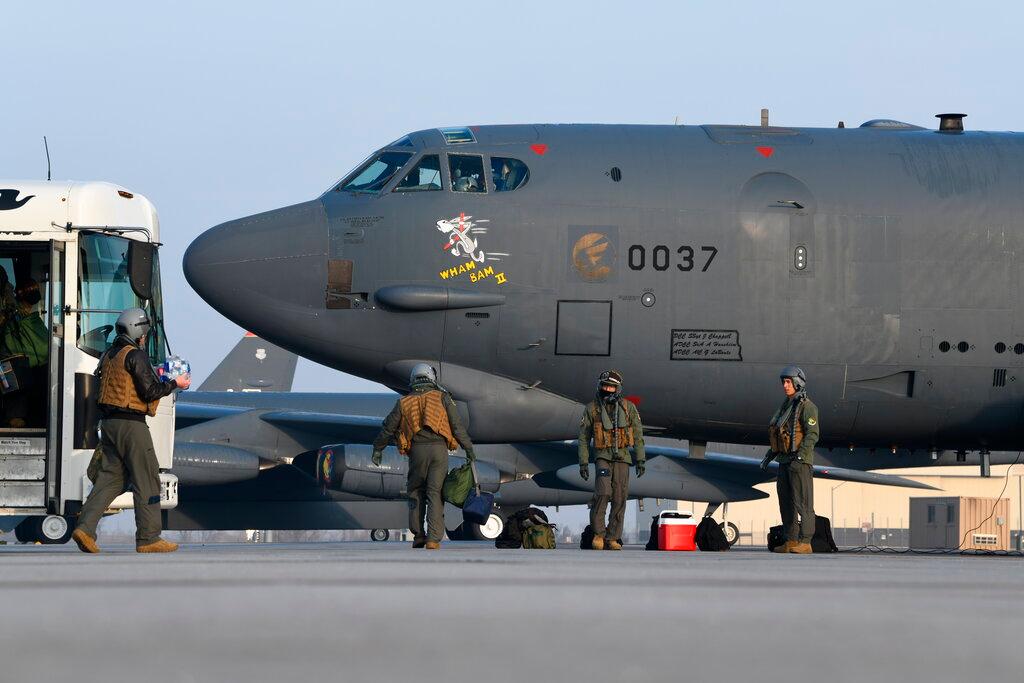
(216, 110)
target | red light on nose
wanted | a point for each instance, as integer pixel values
(539, 148)
(766, 151)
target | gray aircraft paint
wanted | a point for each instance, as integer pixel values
(910, 239)
(254, 364)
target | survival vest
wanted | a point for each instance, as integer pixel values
(778, 435)
(421, 411)
(117, 388)
(603, 437)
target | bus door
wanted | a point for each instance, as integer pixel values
(25, 358)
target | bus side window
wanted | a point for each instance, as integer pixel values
(467, 173)
(508, 174)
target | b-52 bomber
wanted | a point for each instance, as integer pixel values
(697, 260)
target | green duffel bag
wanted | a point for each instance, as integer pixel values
(539, 537)
(457, 485)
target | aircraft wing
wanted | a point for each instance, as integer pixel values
(335, 427)
(672, 473)
(189, 414)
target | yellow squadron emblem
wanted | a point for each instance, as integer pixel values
(812, 421)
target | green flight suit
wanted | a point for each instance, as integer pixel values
(611, 464)
(128, 461)
(795, 484)
(428, 465)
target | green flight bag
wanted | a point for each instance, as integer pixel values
(539, 537)
(457, 485)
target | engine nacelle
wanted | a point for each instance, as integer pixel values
(206, 464)
(349, 468)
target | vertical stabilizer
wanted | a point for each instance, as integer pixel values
(253, 365)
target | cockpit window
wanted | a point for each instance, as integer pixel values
(404, 141)
(425, 176)
(375, 173)
(457, 136)
(508, 174)
(467, 172)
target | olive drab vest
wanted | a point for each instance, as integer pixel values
(603, 437)
(779, 437)
(423, 410)
(117, 389)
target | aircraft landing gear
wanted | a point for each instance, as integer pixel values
(379, 535)
(731, 531)
(484, 532)
(49, 530)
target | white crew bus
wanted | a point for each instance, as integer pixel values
(73, 255)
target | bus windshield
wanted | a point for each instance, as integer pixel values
(104, 291)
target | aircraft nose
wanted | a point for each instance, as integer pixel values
(253, 268)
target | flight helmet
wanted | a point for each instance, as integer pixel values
(421, 374)
(796, 374)
(609, 385)
(133, 323)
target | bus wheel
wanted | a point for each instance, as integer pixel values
(54, 529)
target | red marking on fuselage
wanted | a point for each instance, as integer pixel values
(635, 400)
(457, 233)
(766, 151)
(540, 148)
(250, 334)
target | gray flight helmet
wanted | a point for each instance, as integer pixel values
(422, 372)
(133, 323)
(796, 374)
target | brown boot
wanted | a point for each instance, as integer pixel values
(612, 545)
(85, 542)
(597, 543)
(801, 549)
(432, 545)
(157, 546)
(784, 548)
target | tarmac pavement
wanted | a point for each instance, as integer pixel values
(384, 612)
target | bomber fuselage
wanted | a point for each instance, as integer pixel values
(696, 260)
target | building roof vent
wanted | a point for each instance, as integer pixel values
(951, 123)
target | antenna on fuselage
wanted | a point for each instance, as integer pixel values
(46, 146)
(764, 118)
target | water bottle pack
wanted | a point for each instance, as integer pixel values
(172, 368)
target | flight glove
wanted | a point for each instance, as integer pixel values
(377, 457)
(641, 467)
(585, 471)
(767, 460)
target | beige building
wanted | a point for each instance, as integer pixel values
(865, 514)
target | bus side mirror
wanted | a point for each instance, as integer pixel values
(140, 268)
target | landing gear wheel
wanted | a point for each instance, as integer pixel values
(379, 535)
(484, 532)
(731, 531)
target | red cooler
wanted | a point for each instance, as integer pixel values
(677, 531)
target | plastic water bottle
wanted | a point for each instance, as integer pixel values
(173, 367)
